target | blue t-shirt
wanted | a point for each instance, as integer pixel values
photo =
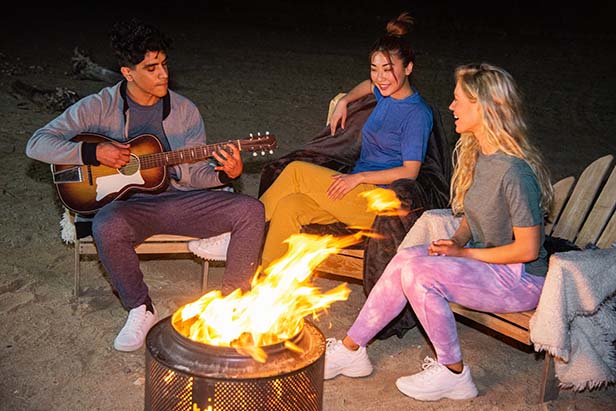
(396, 131)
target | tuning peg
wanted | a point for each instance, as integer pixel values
(267, 133)
(258, 133)
(271, 151)
(250, 135)
(262, 153)
(254, 154)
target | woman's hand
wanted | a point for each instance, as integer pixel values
(339, 115)
(342, 184)
(230, 161)
(445, 248)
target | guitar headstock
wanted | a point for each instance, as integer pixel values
(264, 144)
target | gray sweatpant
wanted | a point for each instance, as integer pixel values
(121, 225)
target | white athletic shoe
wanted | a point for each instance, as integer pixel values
(340, 360)
(212, 248)
(132, 335)
(436, 381)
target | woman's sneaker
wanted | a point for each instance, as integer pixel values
(341, 360)
(436, 381)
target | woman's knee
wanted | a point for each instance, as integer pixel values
(292, 206)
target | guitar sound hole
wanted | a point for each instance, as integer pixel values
(131, 167)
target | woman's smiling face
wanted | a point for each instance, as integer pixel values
(466, 112)
(390, 75)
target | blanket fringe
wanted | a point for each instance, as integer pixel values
(589, 385)
(558, 353)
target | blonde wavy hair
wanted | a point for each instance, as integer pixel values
(503, 121)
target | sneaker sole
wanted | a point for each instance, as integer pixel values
(348, 374)
(438, 396)
(126, 348)
(197, 251)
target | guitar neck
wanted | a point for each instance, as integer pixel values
(185, 155)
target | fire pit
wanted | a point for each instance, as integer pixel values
(182, 374)
(247, 351)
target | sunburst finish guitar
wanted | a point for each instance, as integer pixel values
(84, 189)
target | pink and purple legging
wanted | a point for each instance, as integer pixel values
(429, 283)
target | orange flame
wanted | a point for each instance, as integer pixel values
(384, 202)
(274, 309)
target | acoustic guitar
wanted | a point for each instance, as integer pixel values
(84, 189)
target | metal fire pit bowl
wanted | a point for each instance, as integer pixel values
(182, 374)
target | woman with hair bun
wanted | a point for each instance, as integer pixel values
(394, 144)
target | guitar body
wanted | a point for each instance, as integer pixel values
(86, 189)
(81, 196)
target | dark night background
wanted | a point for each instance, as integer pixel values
(581, 17)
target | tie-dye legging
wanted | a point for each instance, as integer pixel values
(430, 282)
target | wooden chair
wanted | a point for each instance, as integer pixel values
(585, 216)
(158, 244)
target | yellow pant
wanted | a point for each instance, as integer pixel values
(298, 197)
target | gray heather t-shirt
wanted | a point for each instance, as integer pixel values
(505, 193)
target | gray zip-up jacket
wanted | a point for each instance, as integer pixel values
(107, 113)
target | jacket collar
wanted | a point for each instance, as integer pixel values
(123, 93)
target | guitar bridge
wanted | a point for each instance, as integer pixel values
(69, 175)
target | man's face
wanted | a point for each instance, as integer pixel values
(148, 81)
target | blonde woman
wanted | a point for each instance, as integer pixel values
(495, 261)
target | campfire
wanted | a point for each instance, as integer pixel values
(255, 350)
(273, 310)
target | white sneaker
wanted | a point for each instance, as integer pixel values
(212, 248)
(132, 335)
(340, 360)
(436, 381)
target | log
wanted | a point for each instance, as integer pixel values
(57, 99)
(85, 68)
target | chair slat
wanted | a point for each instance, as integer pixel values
(600, 213)
(513, 325)
(581, 199)
(562, 189)
(609, 234)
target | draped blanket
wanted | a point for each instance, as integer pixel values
(430, 190)
(575, 320)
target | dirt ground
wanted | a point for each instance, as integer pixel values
(255, 72)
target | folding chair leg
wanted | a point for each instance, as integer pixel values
(204, 276)
(549, 386)
(76, 284)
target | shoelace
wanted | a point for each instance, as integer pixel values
(430, 366)
(331, 344)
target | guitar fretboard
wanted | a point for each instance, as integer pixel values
(185, 155)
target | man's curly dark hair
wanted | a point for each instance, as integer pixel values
(131, 40)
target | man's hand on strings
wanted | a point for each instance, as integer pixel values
(230, 160)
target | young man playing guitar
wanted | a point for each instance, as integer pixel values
(189, 205)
